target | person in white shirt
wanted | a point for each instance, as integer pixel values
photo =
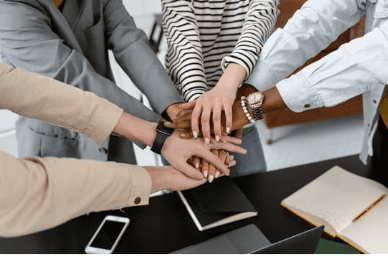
(357, 67)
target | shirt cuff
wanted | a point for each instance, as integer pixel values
(298, 94)
(141, 186)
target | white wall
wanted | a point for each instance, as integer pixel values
(7, 132)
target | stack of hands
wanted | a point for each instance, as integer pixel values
(220, 130)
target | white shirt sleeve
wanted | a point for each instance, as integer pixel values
(309, 31)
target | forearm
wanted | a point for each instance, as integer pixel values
(136, 129)
(40, 193)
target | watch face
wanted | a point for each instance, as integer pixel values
(256, 97)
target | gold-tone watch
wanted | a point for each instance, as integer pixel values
(255, 101)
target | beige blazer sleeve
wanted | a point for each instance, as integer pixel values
(49, 100)
(39, 193)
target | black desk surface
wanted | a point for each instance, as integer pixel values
(165, 226)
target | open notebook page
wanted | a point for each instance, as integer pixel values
(370, 232)
(336, 196)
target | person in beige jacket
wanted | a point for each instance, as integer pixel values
(39, 193)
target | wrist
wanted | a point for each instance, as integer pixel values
(151, 131)
(158, 178)
(162, 133)
(234, 75)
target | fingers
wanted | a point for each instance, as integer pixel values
(223, 156)
(213, 159)
(188, 105)
(230, 147)
(179, 181)
(190, 171)
(212, 168)
(217, 121)
(195, 119)
(205, 123)
(178, 125)
(185, 135)
(205, 168)
(234, 140)
(196, 162)
(184, 115)
(228, 117)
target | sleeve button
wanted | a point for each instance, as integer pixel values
(307, 105)
(103, 150)
(137, 200)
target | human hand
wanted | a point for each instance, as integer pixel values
(178, 151)
(167, 177)
(175, 112)
(209, 171)
(208, 109)
(183, 121)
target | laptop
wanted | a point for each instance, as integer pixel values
(302, 243)
(249, 239)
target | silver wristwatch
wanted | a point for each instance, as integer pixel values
(255, 101)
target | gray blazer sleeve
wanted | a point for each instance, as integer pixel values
(27, 41)
(132, 52)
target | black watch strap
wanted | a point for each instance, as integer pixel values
(162, 133)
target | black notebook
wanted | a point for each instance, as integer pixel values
(217, 203)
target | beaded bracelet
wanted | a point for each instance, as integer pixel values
(243, 104)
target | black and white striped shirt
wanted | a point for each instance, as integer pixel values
(203, 36)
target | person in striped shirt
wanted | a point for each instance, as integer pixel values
(214, 44)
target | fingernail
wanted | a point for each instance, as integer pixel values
(245, 152)
(211, 178)
(218, 138)
(227, 130)
(205, 174)
(196, 165)
(182, 135)
(195, 134)
(167, 122)
(217, 174)
(207, 141)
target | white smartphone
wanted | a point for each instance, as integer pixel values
(107, 235)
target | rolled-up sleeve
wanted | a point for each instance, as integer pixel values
(354, 68)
